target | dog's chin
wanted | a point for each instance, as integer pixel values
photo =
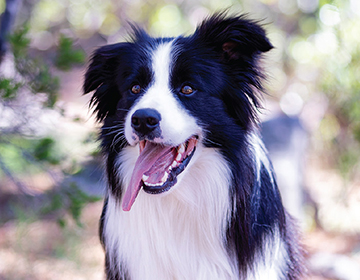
(180, 158)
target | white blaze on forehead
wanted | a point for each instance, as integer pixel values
(176, 124)
(161, 64)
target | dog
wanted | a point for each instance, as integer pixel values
(191, 192)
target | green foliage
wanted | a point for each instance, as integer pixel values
(20, 42)
(69, 200)
(35, 71)
(8, 88)
(24, 215)
(11, 158)
(41, 80)
(44, 150)
(24, 156)
(77, 201)
(66, 55)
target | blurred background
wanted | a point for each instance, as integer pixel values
(50, 165)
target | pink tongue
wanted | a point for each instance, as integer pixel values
(151, 153)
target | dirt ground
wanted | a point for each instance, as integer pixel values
(42, 250)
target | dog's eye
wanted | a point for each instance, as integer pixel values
(136, 89)
(187, 90)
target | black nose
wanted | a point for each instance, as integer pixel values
(145, 121)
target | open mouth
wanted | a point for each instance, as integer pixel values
(157, 168)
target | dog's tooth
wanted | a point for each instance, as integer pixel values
(164, 178)
(154, 185)
(145, 177)
(174, 164)
(181, 148)
(178, 157)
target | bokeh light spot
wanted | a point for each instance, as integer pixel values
(329, 15)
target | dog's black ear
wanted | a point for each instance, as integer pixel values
(101, 78)
(238, 43)
(233, 37)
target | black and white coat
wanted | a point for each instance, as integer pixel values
(221, 216)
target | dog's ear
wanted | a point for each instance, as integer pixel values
(237, 43)
(101, 78)
(233, 37)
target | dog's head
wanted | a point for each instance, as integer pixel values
(169, 94)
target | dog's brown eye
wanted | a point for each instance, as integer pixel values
(187, 90)
(136, 89)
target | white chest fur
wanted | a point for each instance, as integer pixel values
(179, 234)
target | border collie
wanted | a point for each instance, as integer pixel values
(191, 191)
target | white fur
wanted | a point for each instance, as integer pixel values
(260, 155)
(178, 235)
(176, 124)
(271, 261)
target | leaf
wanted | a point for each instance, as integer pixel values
(67, 56)
(9, 88)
